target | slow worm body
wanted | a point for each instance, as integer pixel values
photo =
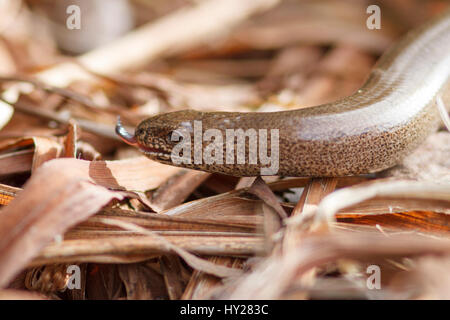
(371, 130)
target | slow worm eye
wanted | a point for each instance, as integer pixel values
(169, 137)
(174, 136)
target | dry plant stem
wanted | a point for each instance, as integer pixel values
(389, 189)
(316, 251)
(44, 86)
(103, 130)
(70, 143)
(156, 222)
(386, 205)
(429, 222)
(61, 92)
(192, 260)
(443, 112)
(122, 247)
(312, 195)
(174, 33)
(201, 285)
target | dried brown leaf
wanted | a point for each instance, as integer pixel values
(176, 189)
(57, 197)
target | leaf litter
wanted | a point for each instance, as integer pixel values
(72, 194)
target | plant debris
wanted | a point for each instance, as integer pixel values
(74, 197)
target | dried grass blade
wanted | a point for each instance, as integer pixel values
(389, 189)
(192, 260)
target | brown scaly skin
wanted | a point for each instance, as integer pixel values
(367, 132)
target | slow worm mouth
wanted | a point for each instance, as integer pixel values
(153, 151)
(130, 139)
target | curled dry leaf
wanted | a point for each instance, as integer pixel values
(50, 278)
(16, 162)
(206, 226)
(39, 214)
(44, 149)
(138, 173)
(74, 190)
(176, 189)
(260, 189)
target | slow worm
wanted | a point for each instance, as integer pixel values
(371, 130)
